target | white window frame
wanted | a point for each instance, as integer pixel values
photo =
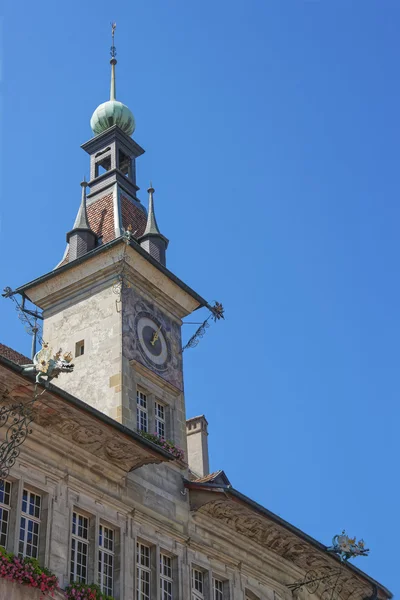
(159, 412)
(5, 508)
(142, 413)
(32, 523)
(197, 594)
(77, 539)
(166, 580)
(143, 571)
(106, 558)
(217, 589)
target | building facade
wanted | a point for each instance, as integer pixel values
(94, 492)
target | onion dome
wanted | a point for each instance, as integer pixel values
(112, 112)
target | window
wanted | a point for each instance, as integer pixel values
(124, 163)
(165, 577)
(143, 572)
(197, 584)
(102, 166)
(106, 559)
(218, 589)
(5, 494)
(141, 411)
(80, 348)
(29, 525)
(160, 419)
(79, 548)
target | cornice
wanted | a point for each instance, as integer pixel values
(93, 435)
(252, 521)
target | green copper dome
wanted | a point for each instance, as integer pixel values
(112, 113)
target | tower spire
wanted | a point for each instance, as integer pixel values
(81, 238)
(151, 225)
(81, 221)
(112, 112)
(152, 239)
(113, 62)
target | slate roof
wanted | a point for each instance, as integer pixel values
(13, 355)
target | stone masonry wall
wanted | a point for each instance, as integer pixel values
(95, 320)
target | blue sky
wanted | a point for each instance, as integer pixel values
(271, 131)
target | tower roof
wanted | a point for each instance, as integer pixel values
(151, 225)
(112, 112)
(81, 221)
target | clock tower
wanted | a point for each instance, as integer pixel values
(111, 299)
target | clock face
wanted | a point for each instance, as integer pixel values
(153, 343)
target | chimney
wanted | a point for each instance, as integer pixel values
(197, 443)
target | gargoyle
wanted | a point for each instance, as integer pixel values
(48, 365)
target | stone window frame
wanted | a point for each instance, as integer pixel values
(158, 420)
(95, 520)
(106, 551)
(75, 537)
(225, 586)
(209, 574)
(5, 507)
(18, 485)
(156, 550)
(32, 517)
(153, 398)
(142, 410)
(161, 551)
(194, 594)
(151, 569)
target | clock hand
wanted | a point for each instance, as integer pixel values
(155, 336)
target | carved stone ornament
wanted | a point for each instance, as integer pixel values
(76, 426)
(267, 533)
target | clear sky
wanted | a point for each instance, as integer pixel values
(271, 131)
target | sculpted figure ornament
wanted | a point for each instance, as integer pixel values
(347, 547)
(48, 365)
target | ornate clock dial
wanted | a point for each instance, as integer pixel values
(152, 340)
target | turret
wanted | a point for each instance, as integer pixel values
(81, 238)
(152, 240)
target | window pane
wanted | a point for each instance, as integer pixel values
(106, 560)
(218, 589)
(29, 525)
(79, 548)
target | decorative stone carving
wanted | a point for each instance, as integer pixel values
(278, 539)
(75, 425)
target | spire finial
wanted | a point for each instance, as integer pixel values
(151, 225)
(152, 240)
(81, 221)
(113, 62)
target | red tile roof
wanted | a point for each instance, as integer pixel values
(101, 219)
(207, 478)
(216, 477)
(13, 355)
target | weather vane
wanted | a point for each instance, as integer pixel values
(113, 50)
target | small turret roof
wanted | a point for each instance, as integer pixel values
(82, 221)
(151, 225)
